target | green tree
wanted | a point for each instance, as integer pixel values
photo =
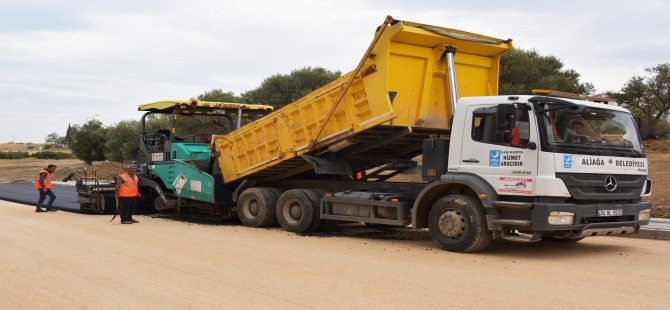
(281, 89)
(218, 95)
(649, 97)
(88, 143)
(68, 135)
(521, 71)
(61, 142)
(52, 139)
(156, 122)
(122, 141)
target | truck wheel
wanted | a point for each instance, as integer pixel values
(315, 196)
(458, 223)
(296, 211)
(256, 207)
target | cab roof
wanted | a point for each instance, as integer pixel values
(168, 106)
(524, 98)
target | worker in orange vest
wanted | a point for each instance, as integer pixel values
(43, 186)
(127, 193)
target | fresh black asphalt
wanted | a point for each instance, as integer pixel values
(25, 193)
(66, 200)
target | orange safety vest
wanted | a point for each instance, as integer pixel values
(129, 186)
(47, 180)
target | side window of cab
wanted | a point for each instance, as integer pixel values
(492, 125)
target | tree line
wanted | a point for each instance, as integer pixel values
(520, 71)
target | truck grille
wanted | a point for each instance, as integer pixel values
(590, 186)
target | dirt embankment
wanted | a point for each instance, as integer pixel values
(30, 148)
(24, 170)
(658, 152)
(21, 147)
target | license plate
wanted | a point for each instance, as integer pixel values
(611, 212)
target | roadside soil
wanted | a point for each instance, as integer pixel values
(22, 147)
(24, 170)
(68, 260)
(658, 152)
(29, 147)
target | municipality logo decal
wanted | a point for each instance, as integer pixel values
(567, 161)
(494, 158)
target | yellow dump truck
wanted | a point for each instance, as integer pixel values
(510, 167)
(397, 96)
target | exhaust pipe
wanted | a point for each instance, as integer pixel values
(449, 53)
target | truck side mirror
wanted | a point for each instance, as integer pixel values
(505, 122)
(506, 117)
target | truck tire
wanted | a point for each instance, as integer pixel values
(315, 196)
(256, 207)
(458, 223)
(297, 212)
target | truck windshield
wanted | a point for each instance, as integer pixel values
(591, 131)
(200, 128)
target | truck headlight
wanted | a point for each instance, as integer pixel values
(644, 215)
(561, 218)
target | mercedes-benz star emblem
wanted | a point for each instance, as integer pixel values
(610, 183)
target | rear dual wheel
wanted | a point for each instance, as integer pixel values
(298, 210)
(256, 206)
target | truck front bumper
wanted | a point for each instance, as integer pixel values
(586, 220)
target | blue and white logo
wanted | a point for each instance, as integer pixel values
(494, 158)
(567, 161)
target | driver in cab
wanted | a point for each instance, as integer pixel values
(576, 132)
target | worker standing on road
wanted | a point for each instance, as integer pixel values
(43, 186)
(127, 193)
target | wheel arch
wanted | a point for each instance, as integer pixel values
(157, 188)
(449, 184)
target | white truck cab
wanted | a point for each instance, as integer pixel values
(551, 168)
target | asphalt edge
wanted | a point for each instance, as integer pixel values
(32, 204)
(658, 228)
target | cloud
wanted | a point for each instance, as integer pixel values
(65, 60)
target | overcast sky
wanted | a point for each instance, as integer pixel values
(64, 61)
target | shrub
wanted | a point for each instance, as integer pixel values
(13, 155)
(662, 129)
(51, 155)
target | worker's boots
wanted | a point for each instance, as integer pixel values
(40, 210)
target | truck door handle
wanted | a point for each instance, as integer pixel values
(472, 160)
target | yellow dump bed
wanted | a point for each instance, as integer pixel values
(397, 96)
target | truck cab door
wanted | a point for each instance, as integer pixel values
(502, 149)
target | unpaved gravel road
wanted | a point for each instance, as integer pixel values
(68, 260)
